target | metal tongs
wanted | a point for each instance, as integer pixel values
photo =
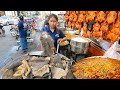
(57, 48)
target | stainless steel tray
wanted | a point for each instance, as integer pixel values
(36, 53)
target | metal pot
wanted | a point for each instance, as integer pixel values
(80, 42)
(80, 45)
(79, 50)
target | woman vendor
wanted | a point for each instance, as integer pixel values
(52, 29)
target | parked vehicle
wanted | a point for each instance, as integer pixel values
(6, 20)
(14, 31)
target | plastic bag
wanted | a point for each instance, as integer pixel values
(104, 44)
(112, 53)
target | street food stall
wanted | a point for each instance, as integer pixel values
(94, 24)
(42, 64)
(89, 35)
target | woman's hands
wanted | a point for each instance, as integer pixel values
(60, 40)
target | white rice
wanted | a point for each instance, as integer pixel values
(80, 40)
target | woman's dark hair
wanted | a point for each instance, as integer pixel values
(52, 15)
(55, 16)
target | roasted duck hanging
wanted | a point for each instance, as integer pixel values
(104, 27)
(111, 17)
(90, 16)
(100, 16)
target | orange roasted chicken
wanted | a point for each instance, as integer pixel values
(96, 26)
(104, 27)
(100, 16)
(111, 17)
(90, 16)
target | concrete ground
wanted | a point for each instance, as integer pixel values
(8, 47)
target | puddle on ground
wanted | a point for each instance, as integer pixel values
(7, 56)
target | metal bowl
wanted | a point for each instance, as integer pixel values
(80, 45)
(80, 42)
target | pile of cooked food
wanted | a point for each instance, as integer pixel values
(97, 68)
(54, 67)
(64, 43)
(106, 23)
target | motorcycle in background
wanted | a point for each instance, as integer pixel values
(14, 31)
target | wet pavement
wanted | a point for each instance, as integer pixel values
(9, 47)
(8, 55)
(6, 42)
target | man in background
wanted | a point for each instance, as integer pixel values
(46, 22)
(23, 34)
